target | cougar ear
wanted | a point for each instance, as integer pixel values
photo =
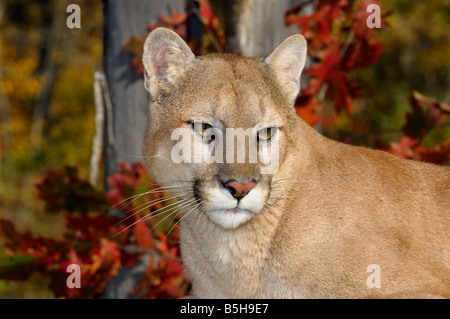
(166, 57)
(287, 62)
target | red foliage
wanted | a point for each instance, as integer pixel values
(177, 23)
(421, 121)
(426, 114)
(134, 45)
(98, 241)
(65, 190)
(339, 41)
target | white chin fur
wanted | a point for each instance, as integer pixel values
(225, 210)
(230, 218)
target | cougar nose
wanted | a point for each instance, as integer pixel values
(239, 190)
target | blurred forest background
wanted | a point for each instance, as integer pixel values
(47, 127)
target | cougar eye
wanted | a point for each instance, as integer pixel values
(266, 134)
(202, 129)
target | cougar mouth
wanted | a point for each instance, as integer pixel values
(235, 210)
(224, 209)
(229, 218)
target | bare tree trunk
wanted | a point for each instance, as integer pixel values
(254, 27)
(124, 19)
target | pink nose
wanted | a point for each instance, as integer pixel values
(239, 190)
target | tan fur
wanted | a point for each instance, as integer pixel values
(337, 208)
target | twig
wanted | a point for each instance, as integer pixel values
(102, 105)
(97, 144)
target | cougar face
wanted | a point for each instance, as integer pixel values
(228, 145)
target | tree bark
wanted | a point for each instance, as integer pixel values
(124, 19)
(254, 28)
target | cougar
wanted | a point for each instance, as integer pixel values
(292, 214)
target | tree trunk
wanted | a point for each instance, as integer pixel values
(254, 28)
(124, 19)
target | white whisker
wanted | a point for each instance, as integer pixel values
(153, 214)
(156, 190)
(288, 181)
(277, 206)
(183, 202)
(148, 205)
(184, 216)
(186, 206)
